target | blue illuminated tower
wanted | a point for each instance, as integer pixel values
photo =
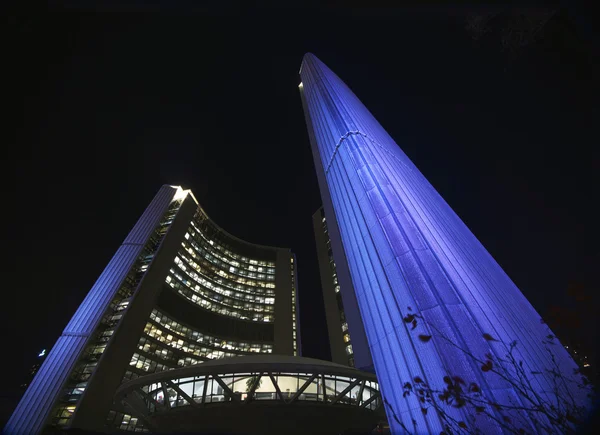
(408, 253)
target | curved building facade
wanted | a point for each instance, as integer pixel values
(180, 291)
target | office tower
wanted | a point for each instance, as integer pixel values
(347, 339)
(192, 330)
(408, 253)
(178, 291)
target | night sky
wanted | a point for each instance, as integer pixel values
(108, 103)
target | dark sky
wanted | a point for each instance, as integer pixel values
(108, 103)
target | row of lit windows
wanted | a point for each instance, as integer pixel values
(177, 342)
(230, 272)
(187, 265)
(294, 332)
(336, 288)
(84, 372)
(98, 349)
(199, 337)
(209, 245)
(152, 347)
(203, 253)
(345, 333)
(81, 374)
(241, 283)
(78, 390)
(231, 254)
(249, 304)
(255, 313)
(147, 364)
(63, 413)
(86, 366)
(125, 422)
(105, 336)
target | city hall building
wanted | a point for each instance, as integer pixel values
(190, 329)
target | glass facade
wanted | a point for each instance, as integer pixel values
(166, 344)
(209, 271)
(323, 385)
(206, 389)
(179, 292)
(85, 367)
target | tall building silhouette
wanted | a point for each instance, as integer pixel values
(405, 252)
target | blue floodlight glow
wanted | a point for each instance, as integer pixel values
(408, 252)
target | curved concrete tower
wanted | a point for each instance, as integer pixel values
(408, 253)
